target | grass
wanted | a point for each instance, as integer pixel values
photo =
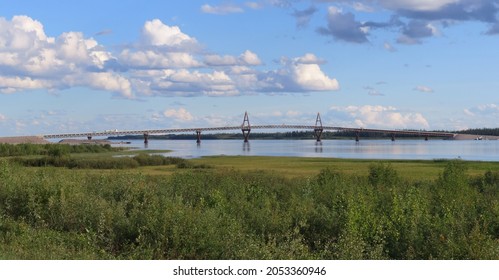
(293, 167)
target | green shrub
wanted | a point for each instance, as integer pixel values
(382, 174)
(54, 213)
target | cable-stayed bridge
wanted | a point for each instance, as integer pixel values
(246, 128)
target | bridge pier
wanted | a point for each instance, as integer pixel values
(357, 136)
(198, 136)
(146, 138)
(246, 128)
(89, 137)
(426, 137)
(393, 136)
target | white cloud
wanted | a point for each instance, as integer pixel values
(110, 82)
(183, 82)
(417, 5)
(421, 88)
(2, 118)
(362, 7)
(222, 9)
(181, 114)
(382, 117)
(13, 84)
(218, 60)
(250, 58)
(310, 77)
(484, 115)
(292, 113)
(309, 58)
(247, 58)
(494, 108)
(156, 33)
(468, 113)
(165, 61)
(389, 47)
(254, 5)
(153, 59)
(31, 60)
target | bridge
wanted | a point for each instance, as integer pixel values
(246, 128)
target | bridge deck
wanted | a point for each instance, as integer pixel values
(253, 127)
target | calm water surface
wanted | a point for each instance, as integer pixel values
(365, 149)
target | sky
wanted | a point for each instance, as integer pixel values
(83, 66)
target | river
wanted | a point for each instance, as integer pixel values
(365, 149)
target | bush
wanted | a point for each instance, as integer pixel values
(382, 174)
(51, 213)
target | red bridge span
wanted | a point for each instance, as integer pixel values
(246, 128)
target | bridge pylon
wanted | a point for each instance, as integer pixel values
(318, 129)
(246, 127)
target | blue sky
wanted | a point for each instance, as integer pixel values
(74, 66)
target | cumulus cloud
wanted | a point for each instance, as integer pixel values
(382, 117)
(414, 20)
(164, 61)
(415, 30)
(180, 114)
(250, 58)
(297, 75)
(309, 58)
(156, 33)
(29, 59)
(246, 58)
(343, 26)
(2, 118)
(310, 77)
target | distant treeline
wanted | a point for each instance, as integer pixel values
(480, 131)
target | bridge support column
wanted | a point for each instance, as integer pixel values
(146, 138)
(357, 136)
(426, 137)
(393, 136)
(318, 129)
(246, 127)
(89, 137)
(198, 136)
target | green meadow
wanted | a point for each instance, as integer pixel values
(59, 202)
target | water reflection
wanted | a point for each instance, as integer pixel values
(366, 149)
(246, 147)
(318, 147)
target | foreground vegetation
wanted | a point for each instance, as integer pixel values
(230, 213)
